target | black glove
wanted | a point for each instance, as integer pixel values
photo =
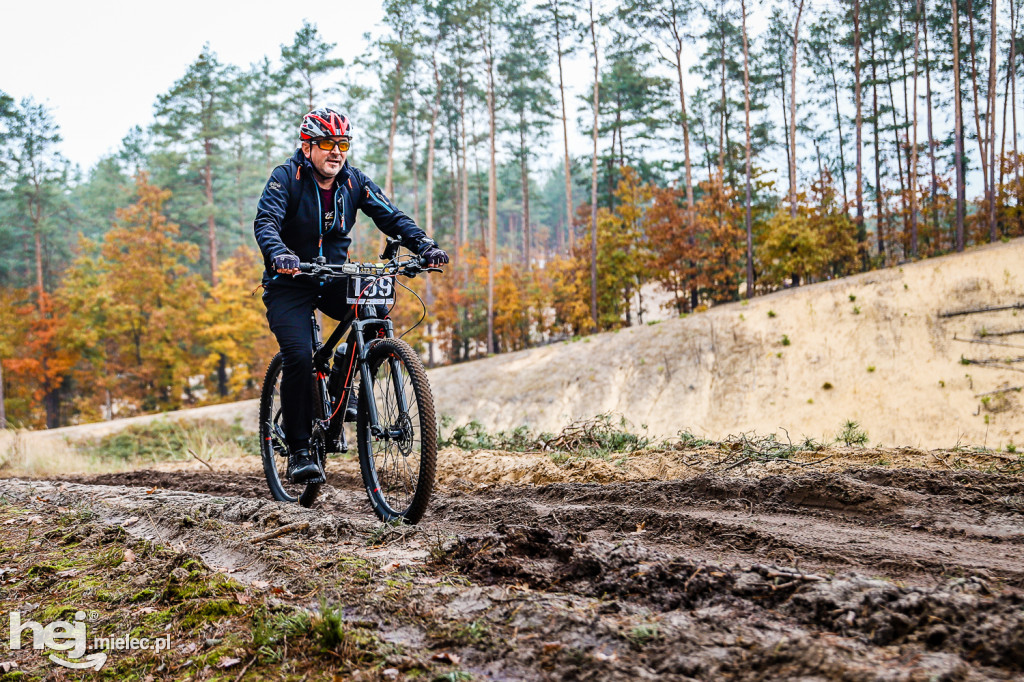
(286, 261)
(432, 255)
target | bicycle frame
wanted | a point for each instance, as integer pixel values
(359, 347)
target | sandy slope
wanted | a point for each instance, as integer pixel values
(729, 370)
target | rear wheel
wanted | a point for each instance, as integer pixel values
(397, 463)
(273, 445)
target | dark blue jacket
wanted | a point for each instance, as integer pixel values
(289, 216)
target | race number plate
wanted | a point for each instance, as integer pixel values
(369, 289)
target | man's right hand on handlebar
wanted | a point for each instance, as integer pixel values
(286, 263)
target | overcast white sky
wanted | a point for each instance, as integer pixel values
(100, 64)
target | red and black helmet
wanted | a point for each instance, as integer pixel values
(324, 122)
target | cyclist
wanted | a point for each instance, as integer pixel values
(307, 210)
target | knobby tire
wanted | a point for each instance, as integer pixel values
(398, 472)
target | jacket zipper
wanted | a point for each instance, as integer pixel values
(374, 197)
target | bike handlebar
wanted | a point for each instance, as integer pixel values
(409, 268)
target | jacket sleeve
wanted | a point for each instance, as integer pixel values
(270, 214)
(386, 217)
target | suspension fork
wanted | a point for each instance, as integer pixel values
(362, 348)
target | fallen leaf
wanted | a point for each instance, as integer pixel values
(70, 573)
(602, 656)
(132, 520)
(35, 519)
(129, 556)
(228, 662)
(390, 673)
(243, 598)
(260, 584)
(391, 567)
(446, 657)
(10, 521)
(8, 666)
(552, 646)
(151, 491)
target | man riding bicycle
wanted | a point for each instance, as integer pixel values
(307, 210)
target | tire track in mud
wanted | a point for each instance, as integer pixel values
(905, 524)
(708, 578)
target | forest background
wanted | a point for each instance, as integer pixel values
(805, 141)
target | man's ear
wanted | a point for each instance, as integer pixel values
(305, 149)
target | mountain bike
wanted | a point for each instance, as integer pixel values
(396, 429)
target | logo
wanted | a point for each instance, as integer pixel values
(329, 216)
(70, 637)
(274, 184)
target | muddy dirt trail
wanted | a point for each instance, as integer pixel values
(856, 573)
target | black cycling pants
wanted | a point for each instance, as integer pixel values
(289, 307)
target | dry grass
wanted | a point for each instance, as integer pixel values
(38, 453)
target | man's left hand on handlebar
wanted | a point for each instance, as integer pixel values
(433, 256)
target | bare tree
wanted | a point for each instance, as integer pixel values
(593, 172)
(746, 112)
(913, 148)
(958, 153)
(792, 110)
(858, 105)
(992, 126)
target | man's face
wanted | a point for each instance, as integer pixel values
(327, 163)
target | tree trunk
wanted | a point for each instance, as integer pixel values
(992, 127)
(414, 165)
(434, 111)
(464, 208)
(931, 136)
(524, 174)
(222, 375)
(686, 134)
(1013, 97)
(721, 116)
(879, 215)
(839, 131)
(39, 265)
(977, 99)
(389, 187)
(958, 153)
(746, 127)
(862, 236)
(792, 112)
(565, 129)
(899, 156)
(593, 176)
(913, 148)
(492, 194)
(211, 226)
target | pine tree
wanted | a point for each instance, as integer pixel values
(305, 65)
(190, 124)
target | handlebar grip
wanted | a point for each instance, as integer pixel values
(305, 267)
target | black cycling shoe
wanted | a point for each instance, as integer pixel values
(352, 411)
(303, 468)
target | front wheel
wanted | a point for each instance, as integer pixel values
(273, 446)
(398, 461)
